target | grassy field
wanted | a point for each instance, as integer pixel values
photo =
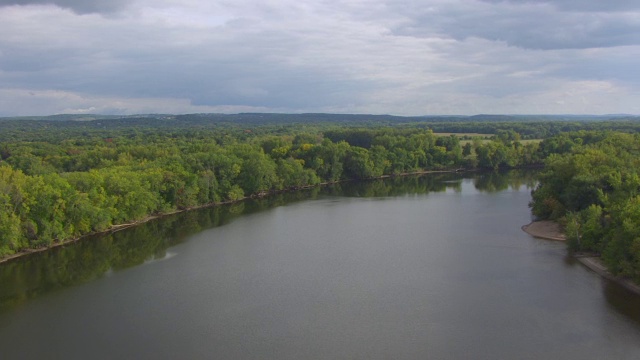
(462, 135)
(523, 142)
(465, 138)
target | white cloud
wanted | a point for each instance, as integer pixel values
(47, 102)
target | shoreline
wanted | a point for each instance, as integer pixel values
(545, 229)
(117, 227)
(594, 263)
(550, 230)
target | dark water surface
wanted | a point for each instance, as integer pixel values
(432, 267)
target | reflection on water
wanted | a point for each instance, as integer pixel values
(622, 301)
(93, 257)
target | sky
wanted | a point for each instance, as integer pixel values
(400, 57)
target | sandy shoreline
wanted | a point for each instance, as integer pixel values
(545, 229)
(550, 230)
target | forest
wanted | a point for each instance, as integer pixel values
(61, 179)
(591, 186)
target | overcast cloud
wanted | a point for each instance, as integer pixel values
(402, 57)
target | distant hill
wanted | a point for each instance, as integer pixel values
(80, 117)
(324, 117)
(65, 126)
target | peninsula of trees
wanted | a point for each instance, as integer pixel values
(591, 185)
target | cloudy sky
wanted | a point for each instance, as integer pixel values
(402, 57)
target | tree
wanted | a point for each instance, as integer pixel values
(357, 164)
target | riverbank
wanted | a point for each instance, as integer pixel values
(550, 230)
(545, 229)
(111, 229)
(594, 263)
(118, 227)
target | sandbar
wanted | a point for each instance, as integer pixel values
(545, 229)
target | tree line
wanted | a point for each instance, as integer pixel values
(60, 127)
(64, 185)
(591, 185)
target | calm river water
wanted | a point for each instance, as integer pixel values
(430, 267)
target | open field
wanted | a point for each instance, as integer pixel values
(530, 141)
(467, 138)
(484, 141)
(462, 135)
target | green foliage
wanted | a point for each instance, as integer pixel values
(64, 179)
(293, 174)
(68, 179)
(595, 186)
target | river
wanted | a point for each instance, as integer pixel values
(426, 267)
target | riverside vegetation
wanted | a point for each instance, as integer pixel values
(60, 180)
(151, 241)
(591, 185)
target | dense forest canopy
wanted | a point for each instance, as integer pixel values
(591, 184)
(63, 177)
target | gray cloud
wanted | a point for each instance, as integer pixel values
(527, 24)
(400, 57)
(581, 5)
(77, 6)
(230, 67)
